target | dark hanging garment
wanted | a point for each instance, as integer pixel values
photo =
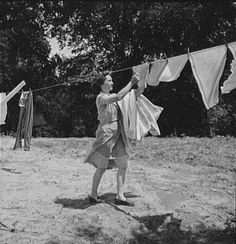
(25, 124)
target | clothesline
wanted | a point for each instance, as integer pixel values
(207, 67)
(188, 51)
(116, 71)
(69, 83)
(119, 70)
(48, 87)
(66, 83)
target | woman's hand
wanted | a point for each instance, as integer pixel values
(134, 80)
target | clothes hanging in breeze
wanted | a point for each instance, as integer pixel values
(3, 109)
(142, 70)
(139, 116)
(156, 69)
(174, 67)
(230, 83)
(208, 66)
(25, 124)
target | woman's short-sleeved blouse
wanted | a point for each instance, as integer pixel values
(106, 112)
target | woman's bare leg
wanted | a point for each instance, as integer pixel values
(120, 183)
(121, 174)
(96, 181)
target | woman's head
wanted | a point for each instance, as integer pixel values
(102, 82)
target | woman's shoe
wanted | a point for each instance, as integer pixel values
(123, 202)
(95, 201)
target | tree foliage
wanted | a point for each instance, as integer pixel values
(113, 35)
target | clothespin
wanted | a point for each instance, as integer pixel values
(21, 91)
(166, 58)
(149, 67)
(188, 51)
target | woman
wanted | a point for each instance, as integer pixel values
(110, 140)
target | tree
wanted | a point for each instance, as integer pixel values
(24, 51)
(121, 34)
(109, 35)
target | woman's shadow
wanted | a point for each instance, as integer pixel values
(84, 203)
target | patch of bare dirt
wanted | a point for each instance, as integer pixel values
(183, 190)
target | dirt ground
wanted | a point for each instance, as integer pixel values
(183, 190)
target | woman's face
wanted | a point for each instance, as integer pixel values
(108, 84)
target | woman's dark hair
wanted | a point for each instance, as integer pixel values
(98, 80)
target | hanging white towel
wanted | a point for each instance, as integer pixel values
(207, 66)
(129, 111)
(230, 83)
(3, 109)
(139, 116)
(157, 68)
(174, 67)
(142, 70)
(147, 116)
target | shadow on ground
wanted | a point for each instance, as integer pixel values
(73, 203)
(165, 229)
(156, 229)
(83, 203)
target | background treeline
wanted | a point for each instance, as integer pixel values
(112, 35)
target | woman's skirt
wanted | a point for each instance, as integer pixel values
(109, 147)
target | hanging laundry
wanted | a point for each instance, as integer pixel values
(129, 111)
(142, 70)
(3, 107)
(207, 66)
(147, 116)
(157, 68)
(25, 124)
(230, 83)
(5, 98)
(139, 116)
(174, 67)
(23, 99)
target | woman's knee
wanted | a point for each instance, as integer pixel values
(101, 170)
(122, 164)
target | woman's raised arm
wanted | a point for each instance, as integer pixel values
(106, 99)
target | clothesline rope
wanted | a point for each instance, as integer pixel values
(119, 70)
(116, 71)
(48, 87)
(69, 83)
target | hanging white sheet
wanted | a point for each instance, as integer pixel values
(174, 67)
(157, 68)
(207, 66)
(3, 109)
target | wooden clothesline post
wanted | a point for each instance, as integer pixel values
(13, 92)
